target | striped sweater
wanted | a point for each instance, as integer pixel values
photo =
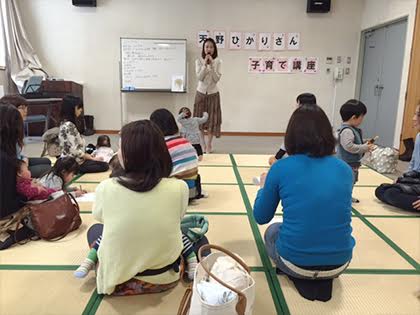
(184, 157)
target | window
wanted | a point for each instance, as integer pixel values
(2, 40)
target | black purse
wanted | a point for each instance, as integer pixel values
(408, 180)
(412, 174)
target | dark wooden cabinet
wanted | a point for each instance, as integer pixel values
(62, 88)
(53, 93)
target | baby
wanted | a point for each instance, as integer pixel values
(103, 149)
(27, 187)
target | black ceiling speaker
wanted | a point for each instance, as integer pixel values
(84, 3)
(318, 6)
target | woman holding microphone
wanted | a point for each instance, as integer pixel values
(207, 98)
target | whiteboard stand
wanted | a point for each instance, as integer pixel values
(123, 109)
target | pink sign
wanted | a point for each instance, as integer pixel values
(254, 64)
(311, 65)
(296, 64)
(268, 65)
(282, 65)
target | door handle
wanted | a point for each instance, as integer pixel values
(380, 88)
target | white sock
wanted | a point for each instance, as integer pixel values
(191, 266)
(86, 266)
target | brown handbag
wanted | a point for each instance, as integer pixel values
(54, 219)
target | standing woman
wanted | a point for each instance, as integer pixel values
(207, 98)
(71, 142)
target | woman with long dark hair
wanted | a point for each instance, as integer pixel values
(11, 136)
(207, 98)
(71, 141)
(140, 238)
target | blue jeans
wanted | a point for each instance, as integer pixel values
(270, 238)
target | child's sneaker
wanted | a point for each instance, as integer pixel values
(256, 181)
(204, 194)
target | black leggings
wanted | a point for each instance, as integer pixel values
(39, 166)
(395, 197)
(90, 166)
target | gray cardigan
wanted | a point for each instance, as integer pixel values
(191, 127)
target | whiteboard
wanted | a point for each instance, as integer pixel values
(153, 65)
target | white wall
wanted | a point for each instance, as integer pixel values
(3, 79)
(377, 12)
(82, 44)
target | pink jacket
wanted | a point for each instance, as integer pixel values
(32, 191)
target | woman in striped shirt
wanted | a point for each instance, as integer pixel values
(183, 155)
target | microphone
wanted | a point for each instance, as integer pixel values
(208, 60)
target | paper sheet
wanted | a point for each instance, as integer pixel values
(89, 197)
(177, 83)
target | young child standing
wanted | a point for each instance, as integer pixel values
(191, 128)
(351, 146)
(103, 149)
(304, 98)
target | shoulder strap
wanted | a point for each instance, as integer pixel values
(185, 304)
(355, 131)
(344, 128)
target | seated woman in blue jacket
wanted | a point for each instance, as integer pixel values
(314, 241)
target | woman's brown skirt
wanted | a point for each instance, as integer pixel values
(209, 103)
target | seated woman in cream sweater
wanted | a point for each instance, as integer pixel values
(140, 212)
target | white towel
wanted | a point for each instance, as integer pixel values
(214, 293)
(231, 272)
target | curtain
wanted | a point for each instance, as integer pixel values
(21, 59)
